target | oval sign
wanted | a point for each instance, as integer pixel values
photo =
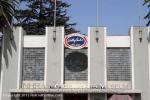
(75, 41)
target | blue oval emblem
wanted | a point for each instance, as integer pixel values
(75, 41)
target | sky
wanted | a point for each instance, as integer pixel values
(117, 15)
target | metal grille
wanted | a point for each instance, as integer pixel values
(118, 64)
(33, 63)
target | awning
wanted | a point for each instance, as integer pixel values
(120, 97)
(76, 90)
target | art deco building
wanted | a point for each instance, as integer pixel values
(56, 66)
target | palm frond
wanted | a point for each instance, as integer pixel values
(7, 8)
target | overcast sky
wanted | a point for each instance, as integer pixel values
(116, 15)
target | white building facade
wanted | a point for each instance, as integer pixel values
(55, 66)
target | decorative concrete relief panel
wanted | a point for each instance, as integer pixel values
(118, 64)
(33, 64)
(76, 66)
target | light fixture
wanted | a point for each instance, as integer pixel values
(54, 34)
(97, 38)
(140, 35)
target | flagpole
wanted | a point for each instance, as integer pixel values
(140, 27)
(55, 8)
(97, 12)
(97, 20)
(139, 11)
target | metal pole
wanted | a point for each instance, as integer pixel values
(140, 28)
(139, 8)
(97, 12)
(55, 8)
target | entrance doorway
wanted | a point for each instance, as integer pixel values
(75, 97)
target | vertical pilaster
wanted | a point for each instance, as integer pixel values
(140, 60)
(97, 55)
(54, 56)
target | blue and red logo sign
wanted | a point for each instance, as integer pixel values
(75, 41)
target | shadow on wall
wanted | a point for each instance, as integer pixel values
(8, 45)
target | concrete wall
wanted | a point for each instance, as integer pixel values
(118, 41)
(140, 61)
(97, 55)
(10, 54)
(34, 41)
(54, 55)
